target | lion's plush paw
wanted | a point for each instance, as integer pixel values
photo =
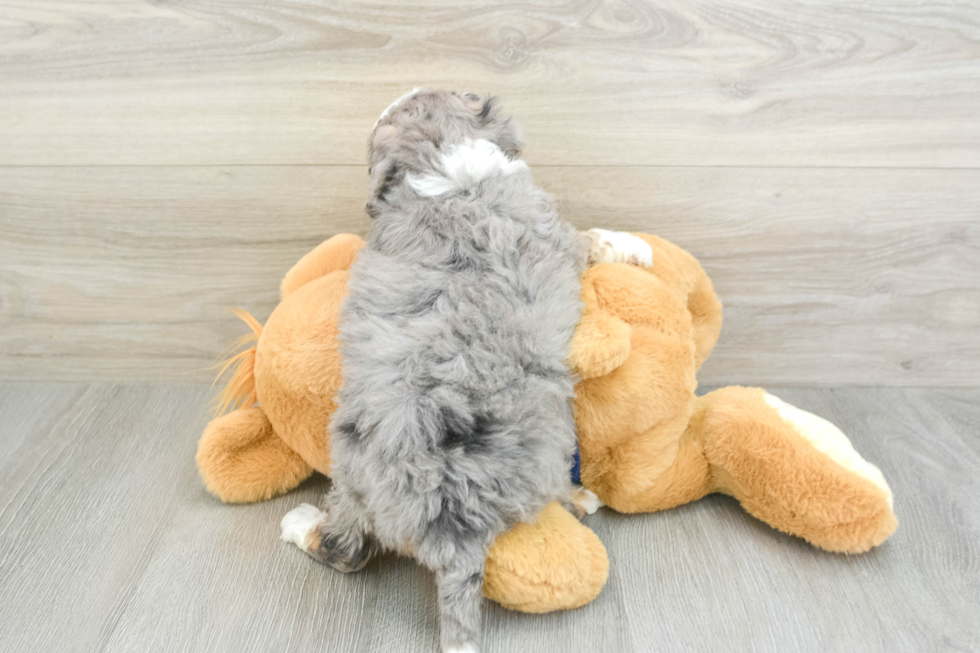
(619, 247)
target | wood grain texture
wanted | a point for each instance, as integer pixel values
(828, 276)
(128, 273)
(595, 82)
(108, 542)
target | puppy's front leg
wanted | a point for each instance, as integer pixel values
(604, 246)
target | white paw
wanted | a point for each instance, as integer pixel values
(620, 247)
(587, 500)
(298, 523)
(468, 647)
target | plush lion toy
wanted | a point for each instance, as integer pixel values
(647, 442)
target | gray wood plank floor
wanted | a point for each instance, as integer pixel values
(108, 542)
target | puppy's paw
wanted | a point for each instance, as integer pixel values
(619, 247)
(300, 526)
(586, 500)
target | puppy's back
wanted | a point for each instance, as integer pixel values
(454, 420)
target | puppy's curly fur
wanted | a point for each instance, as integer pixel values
(454, 421)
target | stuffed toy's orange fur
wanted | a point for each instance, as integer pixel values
(647, 442)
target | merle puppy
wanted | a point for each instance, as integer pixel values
(454, 421)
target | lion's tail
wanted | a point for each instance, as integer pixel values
(239, 391)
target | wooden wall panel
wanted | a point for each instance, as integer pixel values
(595, 82)
(829, 276)
(160, 161)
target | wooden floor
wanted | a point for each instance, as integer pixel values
(161, 161)
(108, 542)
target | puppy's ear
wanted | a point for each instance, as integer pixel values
(383, 177)
(385, 171)
(498, 125)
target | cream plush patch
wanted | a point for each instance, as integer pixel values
(465, 165)
(830, 441)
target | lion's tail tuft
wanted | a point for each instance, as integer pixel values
(239, 391)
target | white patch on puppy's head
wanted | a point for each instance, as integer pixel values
(446, 140)
(463, 166)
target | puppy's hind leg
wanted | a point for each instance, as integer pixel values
(460, 597)
(581, 502)
(312, 530)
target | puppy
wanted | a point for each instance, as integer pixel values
(454, 421)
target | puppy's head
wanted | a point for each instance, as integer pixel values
(419, 126)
